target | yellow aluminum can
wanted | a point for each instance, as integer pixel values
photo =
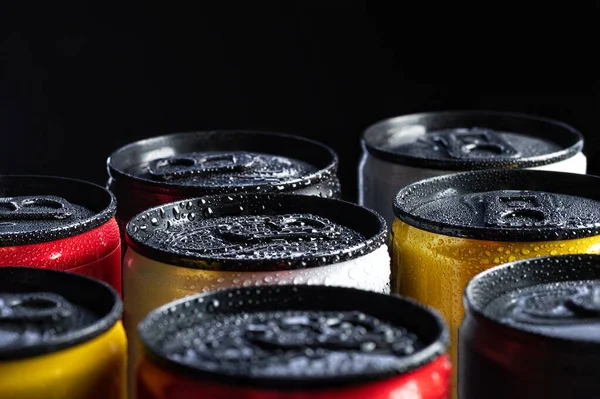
(448, 229)
(60, 337)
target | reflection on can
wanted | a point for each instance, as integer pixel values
(61, 224)
(237, 240)
(293, 342)
(452, 227)
(60, 336)
(532, 330)
(173, 167)
(403, 150)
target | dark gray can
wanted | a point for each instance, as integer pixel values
(532, 330)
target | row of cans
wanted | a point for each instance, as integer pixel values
(205, 211)
(530, 331)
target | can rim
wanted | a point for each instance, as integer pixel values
(93, 294)
(321, 298)
(120, 176)
(363, 220)
(476, 308)
(586, 186)
(574, 143)
(84, 193)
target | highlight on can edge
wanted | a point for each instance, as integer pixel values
(547, 311)
(177, 166)
(59, 223)
(403, 150)
(60, 336)
(210, 243)
(293, 342)
(452, 227)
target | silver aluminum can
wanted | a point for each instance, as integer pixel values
(240, 240)
(406, 149)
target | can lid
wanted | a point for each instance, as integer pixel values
(36, 209)
(293, 336)
(555, 297)
(504, 205)
(469, 140)
(221, 161)
(256, 232)
(44, 311)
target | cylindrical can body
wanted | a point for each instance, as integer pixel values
(159, 378)
(451, 228)
(526, 334)
(403, 150)
(60, 224)
(428, 382)
(92, 370)
(243, 240)
(60, 337)
(175, 167)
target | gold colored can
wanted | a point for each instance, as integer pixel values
(60, 337)
(450, 228)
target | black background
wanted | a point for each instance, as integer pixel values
(78, 82)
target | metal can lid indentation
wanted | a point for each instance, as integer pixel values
(37, 209)
(44, 311)
(504, 205)
(469, 140)
(256, 232)
(293, 336)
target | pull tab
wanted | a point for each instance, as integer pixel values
(179, 167)
(518, 209)
(42, 207)
(330, 333)
(274, 229)
(586, 304)
(34, 308)
(474, 143)
(556, 306)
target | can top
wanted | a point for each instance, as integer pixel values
(37, 209)
(256, 232)
(221, 161)
(504, 205)
(44, 311)
(554, 297)
(293, 336)
(469, 140)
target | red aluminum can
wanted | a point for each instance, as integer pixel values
(177, 166)
(60, 224)
(293, 342)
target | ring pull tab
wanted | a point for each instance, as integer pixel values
(474, 143)
(41, 207)
(180, 167)
(34, 308)
(519, 209)
(587, 303)
(267, 229)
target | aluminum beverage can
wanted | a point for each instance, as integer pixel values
(452, 227)
(403, 150)
(216, 242)
(177, 166)
(60, 224)
(60, 336)
(293, 342)
(532, 330)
